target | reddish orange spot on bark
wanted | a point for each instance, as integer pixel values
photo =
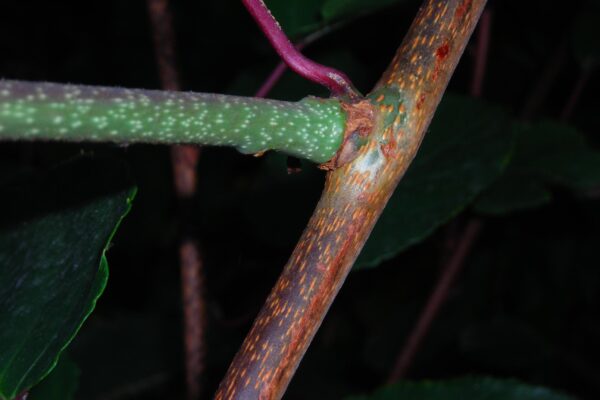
(389, 149)
(442, 52)
(420, 101)
(462, 9)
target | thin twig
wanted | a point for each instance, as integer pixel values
(281, 67)
(336, 81)
(274, 77)
(569, 107)
(162, 27)
(184, 161)
(547, 78)
(436, 300)
(481, 54)
(194, 309)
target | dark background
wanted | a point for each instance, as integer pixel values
(525, 306)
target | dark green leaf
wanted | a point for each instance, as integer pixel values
(301, 17)
(297, 17)
(505, 343)
(465, 151)
(334, 10)
(54, 233)
(546, 154)
(510, 193)
(558, 154)
(465, 388)
(60, 384)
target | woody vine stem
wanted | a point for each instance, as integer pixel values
(401, 107)
(184, 160)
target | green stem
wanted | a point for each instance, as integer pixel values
(312, 128)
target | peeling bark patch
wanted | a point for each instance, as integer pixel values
(360, 120)
(441, 53)
(360, 117)
(390, 148)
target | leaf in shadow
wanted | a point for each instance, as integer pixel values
(464, 388)
(54, 232)
(547, 154)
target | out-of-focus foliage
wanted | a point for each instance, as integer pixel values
(547, 155)
(298, 17)
(466, 388)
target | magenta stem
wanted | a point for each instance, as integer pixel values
(337, 82)
(275, 76)
(268, 84)
(281, 67)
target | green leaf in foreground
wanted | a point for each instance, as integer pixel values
(60, 384)
(465, 388)
(54, 233)
(467, 148)
(546, 154)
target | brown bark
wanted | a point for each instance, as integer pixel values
(162, 28)
(184, 161)
(194, 316)
(354, 196)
